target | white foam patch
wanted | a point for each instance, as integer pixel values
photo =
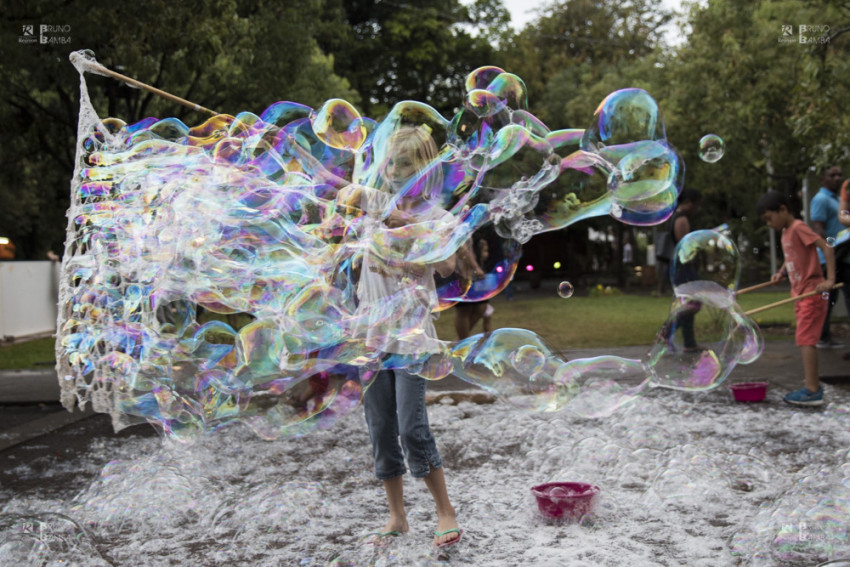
(686, 480)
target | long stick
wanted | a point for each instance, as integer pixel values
(784, 301)
(101, 69)
(753, 288)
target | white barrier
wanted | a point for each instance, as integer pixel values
(28, 298)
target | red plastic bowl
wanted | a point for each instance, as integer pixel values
(565, 500)
(749, 391)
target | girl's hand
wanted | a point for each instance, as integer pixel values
(348, 199)
(398, 219)
(777, 277)
(416, 271)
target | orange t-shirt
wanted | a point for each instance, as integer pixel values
(801, 259)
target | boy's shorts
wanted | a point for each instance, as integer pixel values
(810, 313)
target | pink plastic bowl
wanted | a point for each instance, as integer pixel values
(565, 500)
(749, 391)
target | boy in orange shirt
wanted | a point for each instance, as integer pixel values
(802, 267)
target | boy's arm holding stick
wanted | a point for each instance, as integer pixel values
(825, 285)
(779, 275)
(784, 301)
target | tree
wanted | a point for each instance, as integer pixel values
(394, 51)
(226, 55)
(571, 57)
(579, 46)
(781, 107)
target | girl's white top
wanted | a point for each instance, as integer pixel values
(396, 297)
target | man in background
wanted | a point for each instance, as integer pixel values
(825, 222)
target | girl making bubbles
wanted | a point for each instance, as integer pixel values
(396, 300)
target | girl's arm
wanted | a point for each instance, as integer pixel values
(467, 260)
(446, 267)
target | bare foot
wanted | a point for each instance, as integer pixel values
(445, 523)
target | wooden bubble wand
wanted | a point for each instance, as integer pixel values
(97, 68)
(754, 287)
(789, 300)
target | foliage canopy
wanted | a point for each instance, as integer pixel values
(782, 107)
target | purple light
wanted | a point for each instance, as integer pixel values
(500, 269)
(529, 268)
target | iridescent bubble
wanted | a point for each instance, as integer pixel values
(560, 493)
(484, 103)
(517, 365)
(704, 338)
(338, 124)
(504, 362)
(482, 77)
(711, 148)
(602, 385)
(706, 334)
(527, 360)
(510, 88)
(565, 289)
(624, 117)
(645, 172)
(830, 241)
(706, 255)
(263, 268)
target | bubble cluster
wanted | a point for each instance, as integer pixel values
(46, 538)
(807, 525)
(711, 148)
(707, 256)
(262, 268)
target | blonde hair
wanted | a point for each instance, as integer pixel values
(420, 145)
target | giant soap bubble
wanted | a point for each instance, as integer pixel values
(706, 333)
(261, 268)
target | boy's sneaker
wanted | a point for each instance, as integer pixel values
(831, 343)
(804, 397)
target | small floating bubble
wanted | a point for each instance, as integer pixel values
(711, 148)
(566, 290)
(830, 242)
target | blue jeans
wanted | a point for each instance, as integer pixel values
(395, 408)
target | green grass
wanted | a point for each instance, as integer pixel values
(37, 353)
(618, 320)
(577, 322)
